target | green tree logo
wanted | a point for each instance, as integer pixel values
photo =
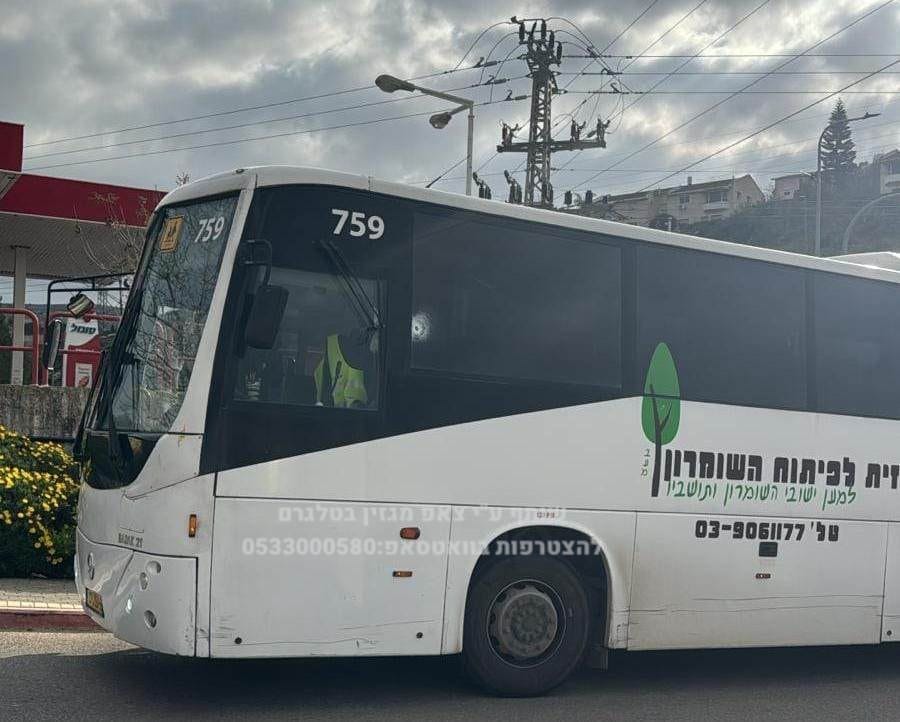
(661, 409)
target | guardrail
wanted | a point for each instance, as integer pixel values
(39, 375)
(35, 347)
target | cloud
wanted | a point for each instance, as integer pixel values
(79, 67)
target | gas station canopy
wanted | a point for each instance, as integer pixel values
(67, 228)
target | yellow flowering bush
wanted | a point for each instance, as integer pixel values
(38, 498)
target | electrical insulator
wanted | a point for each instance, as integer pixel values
(588, 197)
(567, 198)
(521, 32)
(543, 29)
(559, 53)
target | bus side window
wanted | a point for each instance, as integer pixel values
(325, 355)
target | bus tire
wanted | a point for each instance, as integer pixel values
(526, 627)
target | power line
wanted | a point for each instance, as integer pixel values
(706, 47)
(772, 125)
(593, 60)
(452, 167)
(744, 55)
(233, 142)
(247, 125)
(670, 29)
(743, 130)
(621, 111)
(500, 67)
(629, 26)
(798, 163)
(477, 40)
(799, 160)
(233, 111)
(255, 138)
(796, 154)
(749, 85)
(608, 46)
(619, 73)
(809, 141)
(859, 136)
(658, 39)
(490, 54)
(723, 92)
(869, 150)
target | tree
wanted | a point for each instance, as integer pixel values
(125, 253)
(661, 408)
(838, 154)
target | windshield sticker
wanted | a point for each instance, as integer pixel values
(171, 234)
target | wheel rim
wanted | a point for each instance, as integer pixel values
(525, 623)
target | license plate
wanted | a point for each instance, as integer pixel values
(93, 601)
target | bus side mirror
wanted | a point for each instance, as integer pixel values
(265, 316)
(51, 344)
(80, 305)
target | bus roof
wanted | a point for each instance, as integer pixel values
(277, 175)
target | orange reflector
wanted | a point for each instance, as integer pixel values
(402, 574)
(410, 532)
(192, 526)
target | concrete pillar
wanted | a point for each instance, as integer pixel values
(16, 368)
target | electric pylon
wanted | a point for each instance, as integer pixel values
(542, 52)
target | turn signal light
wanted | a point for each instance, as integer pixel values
(192, 526)
(410, 532)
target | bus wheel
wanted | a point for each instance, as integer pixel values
(526, 627)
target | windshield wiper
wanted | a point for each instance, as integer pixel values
(364, 305)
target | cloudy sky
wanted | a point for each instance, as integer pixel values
(84, 67)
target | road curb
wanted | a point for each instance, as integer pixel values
(47, 619)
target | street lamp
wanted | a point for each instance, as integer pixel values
(818, 246)
(390, 84)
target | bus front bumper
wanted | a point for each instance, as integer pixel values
(146, 599)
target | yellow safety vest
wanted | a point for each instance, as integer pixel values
(346, 384)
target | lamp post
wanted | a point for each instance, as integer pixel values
(390, 84)
(817, 249)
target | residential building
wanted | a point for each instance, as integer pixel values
(683, 205)
(888, 165)
(793, 187)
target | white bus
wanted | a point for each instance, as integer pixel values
(348, 417)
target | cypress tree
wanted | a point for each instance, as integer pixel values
(838, 154)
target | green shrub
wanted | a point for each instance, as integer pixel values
(38, 498)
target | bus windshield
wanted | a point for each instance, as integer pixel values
(152, 359)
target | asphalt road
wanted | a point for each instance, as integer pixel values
(74, 676)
